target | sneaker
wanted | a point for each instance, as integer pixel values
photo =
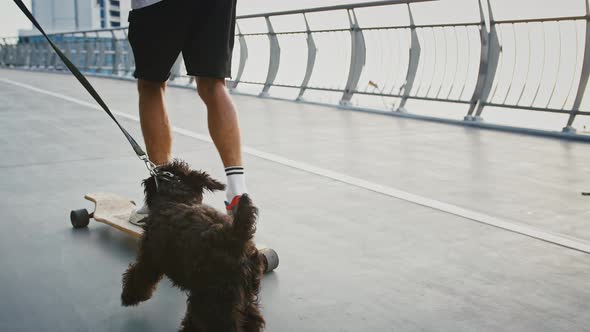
(138, 216)
(230, 207)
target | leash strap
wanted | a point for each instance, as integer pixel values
(82, 79)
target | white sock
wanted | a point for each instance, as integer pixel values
(236, 182)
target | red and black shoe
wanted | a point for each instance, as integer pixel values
(231, 207)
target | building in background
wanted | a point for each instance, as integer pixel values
(72, 15)
(113, 13)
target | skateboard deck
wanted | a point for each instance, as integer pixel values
(115, 210)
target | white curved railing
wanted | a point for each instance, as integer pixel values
(338, 53)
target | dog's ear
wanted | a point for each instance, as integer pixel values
(245, 219)
(201, 181)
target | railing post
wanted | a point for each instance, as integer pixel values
(357, 58)
(584, 75)
(79, 46)
(6, 50)
(243, 58)
(26, 49)
(88, 50)
(2, 52)
(274, 60)
(14, 54)
(68, 48)
(62, 46)
(414, 61)
(6, 53)
(48, 55)
(311, 55)
(490, 55)
(11, 54)
(31, 50)
(52, 56)
(101, 50)
(38, 55)
(116, 54)
(43, 48)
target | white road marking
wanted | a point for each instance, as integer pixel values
(533, 232)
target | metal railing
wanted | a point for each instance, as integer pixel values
(481, 63)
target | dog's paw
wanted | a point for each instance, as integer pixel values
(245, 218)
(245, 200)
(128, 301)
(132, 299)
(246, 208)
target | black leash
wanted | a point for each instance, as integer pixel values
(82, 79)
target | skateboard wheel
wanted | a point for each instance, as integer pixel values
(79, 218)
(271, 259)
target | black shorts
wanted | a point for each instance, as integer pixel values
(203, 30)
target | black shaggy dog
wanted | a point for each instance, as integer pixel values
(206, 253)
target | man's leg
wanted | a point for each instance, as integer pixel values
(222, 120)
(156, 34)
(154, 121)
(225, 132)
(155, 128)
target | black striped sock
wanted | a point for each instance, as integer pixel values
(234, 170)
(236, 182)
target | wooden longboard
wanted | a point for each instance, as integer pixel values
(115, 210)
